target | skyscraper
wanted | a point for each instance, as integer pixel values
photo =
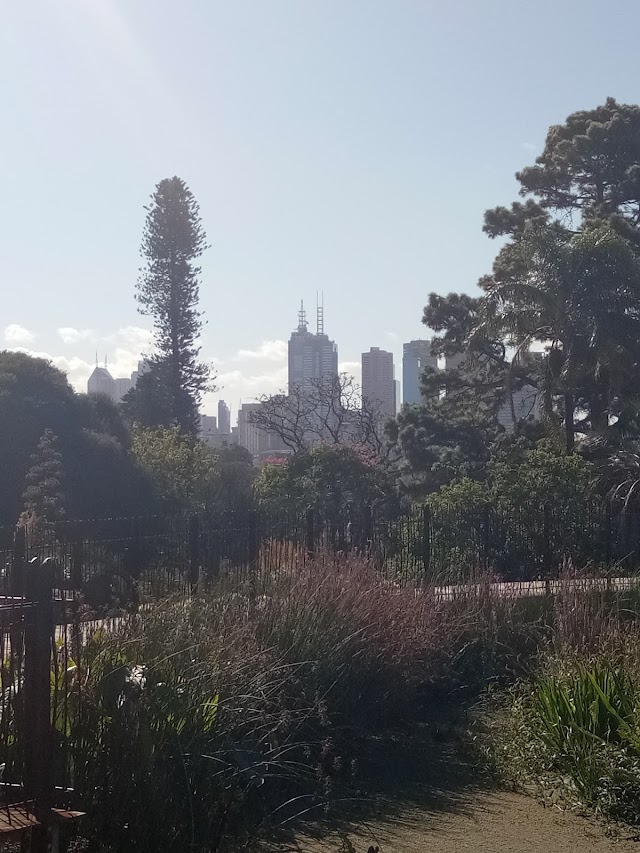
(416, 356)
(224, 418)
(378, 385)
(311, 357)
(102, 382)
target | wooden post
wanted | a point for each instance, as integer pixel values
(37, 698)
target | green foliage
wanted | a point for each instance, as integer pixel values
(576, 291)
(577, 730)
(589, 165)
(149, 404)
(168, 290)
(434, 450)
(544, 474)
(580, 293)
(198, 721)
(43, 496)
(533, 498)
(235, 477)
(330, 478)
(100, 476)
(182, 470)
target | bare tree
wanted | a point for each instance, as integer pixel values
(323, 411)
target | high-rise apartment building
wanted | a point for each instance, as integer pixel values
(416, 356)
(311, 357)
(208, 425)
(378, 383)
(224, 418)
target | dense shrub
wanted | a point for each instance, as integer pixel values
(572, 730)
(202, 718)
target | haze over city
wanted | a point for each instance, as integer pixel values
(332, 147)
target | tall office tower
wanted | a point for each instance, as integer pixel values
(224, 418)
(378, 384)
(102, 382)
(311, 357)
(416, 356)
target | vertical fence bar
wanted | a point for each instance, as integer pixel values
(546, 534)
(426, 541)
(608, 529)
(310, 533)
(368, 531)
(486, 537)
(18, 565)
(37, 693)
(194, 551)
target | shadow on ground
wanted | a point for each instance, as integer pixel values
(412, 776)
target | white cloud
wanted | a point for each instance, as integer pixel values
(236, 386)
(392, 336)
(17, 336)
(123, 350)
(77, 369)
(267, 351)
(530, 147)
(69, 335)
(132, 337)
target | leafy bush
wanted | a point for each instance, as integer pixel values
(577, 732)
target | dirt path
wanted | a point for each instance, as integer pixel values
(489, 823)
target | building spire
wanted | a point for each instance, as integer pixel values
(320, 314)
(302, 318)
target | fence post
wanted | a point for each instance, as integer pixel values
(368, 532)
(608, 532)
(75, 578)
(546, 533)
(37, 697)
(486, 537)
(310, 533)
(426, 540)
(194, 551)
(16, 580)
(254, 540)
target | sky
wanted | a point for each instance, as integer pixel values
(342, 146)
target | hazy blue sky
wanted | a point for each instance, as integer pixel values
(349, 146)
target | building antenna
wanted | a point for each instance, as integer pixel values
(320, 314)
(105, 361)
(96, 358)
(302, 318)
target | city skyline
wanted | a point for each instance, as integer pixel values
(113, 385)
(317, 164)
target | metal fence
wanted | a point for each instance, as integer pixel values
(108, 563)
(38, 688)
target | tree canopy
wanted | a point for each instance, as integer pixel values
(168, 290)
(100, 476)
